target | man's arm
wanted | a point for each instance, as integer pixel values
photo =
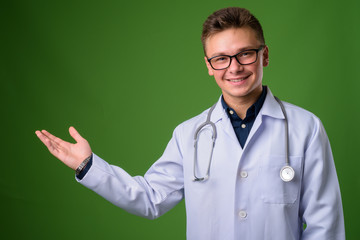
(321, 207)
(150, 196)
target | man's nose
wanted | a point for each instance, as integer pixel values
(235, 66)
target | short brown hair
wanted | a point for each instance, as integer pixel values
(232, 17)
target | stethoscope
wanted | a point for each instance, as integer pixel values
(287, 173)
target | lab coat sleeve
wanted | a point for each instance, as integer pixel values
(150, 196)
(321, 207)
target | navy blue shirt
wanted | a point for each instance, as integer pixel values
(242, 127)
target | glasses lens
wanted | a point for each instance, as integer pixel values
(247, 57)
(220, 62)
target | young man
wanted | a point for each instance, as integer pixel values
(233, 178)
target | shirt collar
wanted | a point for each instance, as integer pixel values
(253, 109)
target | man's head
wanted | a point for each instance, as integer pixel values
(235, 53)
(232, 17)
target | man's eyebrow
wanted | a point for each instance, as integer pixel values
(238, 50)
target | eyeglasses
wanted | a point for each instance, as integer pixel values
(243, 58)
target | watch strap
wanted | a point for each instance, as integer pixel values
(82, 165)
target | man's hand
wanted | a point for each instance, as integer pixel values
(70, 154)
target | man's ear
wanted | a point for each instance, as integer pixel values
(210, 70)
(266, 56)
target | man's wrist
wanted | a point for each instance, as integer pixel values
(82, 165)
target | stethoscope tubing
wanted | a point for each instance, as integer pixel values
(196, 137)
(286, 130)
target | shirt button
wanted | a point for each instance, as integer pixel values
(231, 112)
(243, 174)
(242, 214)
(243, 125)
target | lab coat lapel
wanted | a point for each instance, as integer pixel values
(219, 117)
(270, 108)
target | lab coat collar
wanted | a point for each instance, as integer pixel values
(219, 112)
(270, 108)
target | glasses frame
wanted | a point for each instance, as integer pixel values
(234, 56)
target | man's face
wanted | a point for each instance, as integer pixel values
(239, 83)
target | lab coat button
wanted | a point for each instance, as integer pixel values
(243, 174)
(243, 125)
(242, 214)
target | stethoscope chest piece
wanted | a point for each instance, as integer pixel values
(287, 173)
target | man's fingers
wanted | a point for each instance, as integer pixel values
(52, 137)
(75, 134)
(42, 137)
(46, 141)
(54, 144)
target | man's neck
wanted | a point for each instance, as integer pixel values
(242, 104)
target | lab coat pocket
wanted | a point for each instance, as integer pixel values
(273, 189)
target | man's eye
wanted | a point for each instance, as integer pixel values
(246, 54)
(220, 59)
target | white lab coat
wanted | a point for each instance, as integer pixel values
(244, 198)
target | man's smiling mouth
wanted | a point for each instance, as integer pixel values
(238, 79)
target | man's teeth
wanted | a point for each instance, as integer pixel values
(237, 80)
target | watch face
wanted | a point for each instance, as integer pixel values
(287, 173)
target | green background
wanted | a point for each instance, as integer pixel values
(125, 74)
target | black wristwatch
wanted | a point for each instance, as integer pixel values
(82, 165)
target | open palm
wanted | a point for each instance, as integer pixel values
(71, 154)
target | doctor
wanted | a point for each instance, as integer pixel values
(232, 185)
